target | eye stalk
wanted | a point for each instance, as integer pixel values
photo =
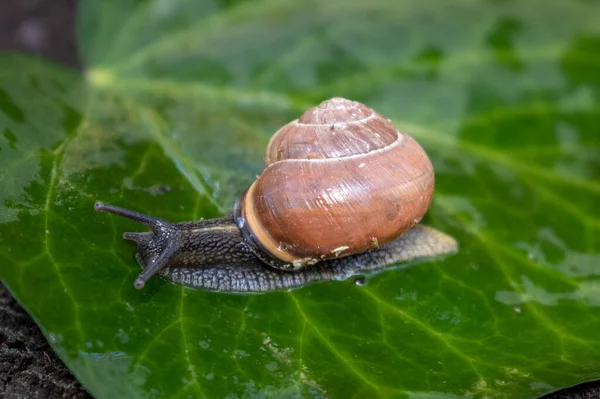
(164, 231)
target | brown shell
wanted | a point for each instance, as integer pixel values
(340, 180)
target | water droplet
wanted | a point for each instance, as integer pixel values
(361, 281)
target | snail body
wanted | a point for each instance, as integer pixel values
(341, 193)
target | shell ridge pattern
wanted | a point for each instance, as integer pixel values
(362, 120)
(388, 147)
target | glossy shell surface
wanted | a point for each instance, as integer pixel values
(338, 181)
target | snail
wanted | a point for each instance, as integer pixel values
(341, 194)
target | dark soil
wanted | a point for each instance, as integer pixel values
(28, 366)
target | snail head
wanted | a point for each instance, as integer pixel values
(155, 248)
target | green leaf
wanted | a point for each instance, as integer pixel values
(171, 118)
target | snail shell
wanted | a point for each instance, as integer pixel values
(338, 181)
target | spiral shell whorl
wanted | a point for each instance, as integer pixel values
(336, 110)
(339, 180)
(335, 128)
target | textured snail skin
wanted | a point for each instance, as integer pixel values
(252, 275)
(214, 255)
(340, 180)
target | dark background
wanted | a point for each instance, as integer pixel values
(28, 366)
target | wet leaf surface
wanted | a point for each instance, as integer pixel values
(171, 117)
